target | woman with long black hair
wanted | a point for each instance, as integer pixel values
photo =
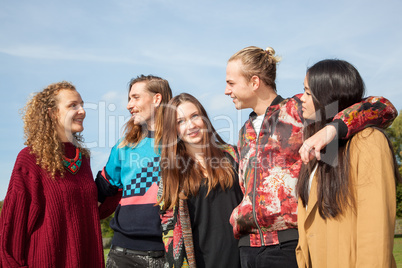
(347, 206)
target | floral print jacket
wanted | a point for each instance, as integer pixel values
(269, 164)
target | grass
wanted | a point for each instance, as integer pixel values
(105, 252)
(397, 251)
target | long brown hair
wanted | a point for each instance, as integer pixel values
(181, 175)
(40, 129)
(334, 85)
(135, 133)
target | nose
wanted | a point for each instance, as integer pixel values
(81, 110)
(303, 97)
(129, 105)
(228, 91)
(190, 124)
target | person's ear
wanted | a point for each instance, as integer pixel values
(52, 113)
(255, 82)
(157, 99)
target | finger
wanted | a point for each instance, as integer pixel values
(304, 154)
(308, 156)
(311, 156)
(317, 154)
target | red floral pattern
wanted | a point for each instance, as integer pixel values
(270, 164)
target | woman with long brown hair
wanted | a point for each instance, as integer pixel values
(50, 216)
(347, 206)
(199, 188)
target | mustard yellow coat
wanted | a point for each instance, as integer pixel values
(361, 238)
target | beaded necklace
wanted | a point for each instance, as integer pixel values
(73, 165)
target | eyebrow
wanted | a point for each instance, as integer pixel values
(74, 101)
(182, 117)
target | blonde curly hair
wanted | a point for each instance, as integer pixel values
(40, 129)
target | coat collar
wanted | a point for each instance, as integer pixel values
(312, 198)
(278, 99)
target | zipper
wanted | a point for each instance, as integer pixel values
(255, 184)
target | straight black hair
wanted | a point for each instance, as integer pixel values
(335, 85)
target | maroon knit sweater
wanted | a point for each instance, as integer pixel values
(50, 223)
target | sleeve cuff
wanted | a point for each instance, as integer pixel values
(341, 128)
(105, 189)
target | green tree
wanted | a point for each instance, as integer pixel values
(395, 135)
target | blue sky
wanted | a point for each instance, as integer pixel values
(100, 45)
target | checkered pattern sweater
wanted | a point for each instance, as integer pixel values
(135, 172)
(47, 222)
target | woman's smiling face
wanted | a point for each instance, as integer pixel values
(190, 125)
(70, 114)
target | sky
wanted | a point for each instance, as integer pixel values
(100, 45)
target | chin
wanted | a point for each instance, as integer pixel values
(78, 130)
(238, 107)
(197, 142)
(138, 123)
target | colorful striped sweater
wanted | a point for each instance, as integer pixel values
(134, 171)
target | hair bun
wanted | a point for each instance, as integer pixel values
(272, 59)
(270, 51)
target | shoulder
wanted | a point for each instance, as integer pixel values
(290, 110)
(369, 137)
(120, 147)
(370, 142)
(230, 152)
(26, 157)
(25, 152)
(293, 101)
(119, 144)
(25, 172)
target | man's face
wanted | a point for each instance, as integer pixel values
(237, 86)
(141, 105)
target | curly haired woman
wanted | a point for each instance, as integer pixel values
(50, 216)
